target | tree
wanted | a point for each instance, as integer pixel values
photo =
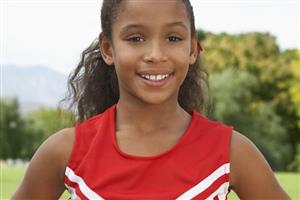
(22, 135)
(275, 75)
(45, 122)
(12, 129)
(234, 104)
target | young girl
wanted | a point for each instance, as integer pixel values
(139, 90)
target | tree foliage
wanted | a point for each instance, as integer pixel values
(13, 130)
(253, 68)
(234, 104)
(22, 135)
(44, 122)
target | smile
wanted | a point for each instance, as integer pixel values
(157, 77)
(155, 80)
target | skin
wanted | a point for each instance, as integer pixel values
(148, 116)
(44, 178)
(163, 44)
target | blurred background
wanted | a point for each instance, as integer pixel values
(251, 51)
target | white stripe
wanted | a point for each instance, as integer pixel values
(223, 195)
(72, 191)
(90, 194)
(200, 187)
(221, 192)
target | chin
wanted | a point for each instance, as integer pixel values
(155, 99)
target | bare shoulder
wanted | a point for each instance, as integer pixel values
(44, 178)
(58, 146)
(250, 173)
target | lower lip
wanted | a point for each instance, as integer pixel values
(156, 83)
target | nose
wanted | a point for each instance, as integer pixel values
(155, 53)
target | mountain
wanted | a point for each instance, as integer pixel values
(35, 86)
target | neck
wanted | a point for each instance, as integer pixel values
(151, 118)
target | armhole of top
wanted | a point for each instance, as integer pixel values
(75, 148)
(229, 133)
(228, 152)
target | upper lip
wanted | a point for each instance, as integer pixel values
(154, 72)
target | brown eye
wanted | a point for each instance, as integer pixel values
(136, 39)
(174, 39)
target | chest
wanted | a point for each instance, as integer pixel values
(146, 144)
(194, 166)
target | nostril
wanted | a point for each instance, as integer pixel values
(155, 57)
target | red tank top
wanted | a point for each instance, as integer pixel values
(197, 167)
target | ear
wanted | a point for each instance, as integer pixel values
(105, 46)
(196, 48)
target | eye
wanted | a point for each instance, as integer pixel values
(174, 39)
(136, 39)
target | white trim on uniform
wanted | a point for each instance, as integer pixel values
(90, 194)
(204, 184)
(72, 191)
(221, 192)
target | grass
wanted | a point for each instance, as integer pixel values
(11, 177)
(290, 182)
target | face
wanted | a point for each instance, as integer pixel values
(151, 48)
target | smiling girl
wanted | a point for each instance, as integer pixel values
(138, 93)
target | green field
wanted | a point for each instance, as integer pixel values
(11, 177)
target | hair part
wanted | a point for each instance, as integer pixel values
(93, 85)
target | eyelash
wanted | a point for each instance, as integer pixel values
(137, 39)
(177, 39)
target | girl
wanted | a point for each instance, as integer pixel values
(138, 91)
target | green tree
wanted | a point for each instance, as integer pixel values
(234, 104)
(22, 135)
(13, 131)
(45, 122)
(275, 73)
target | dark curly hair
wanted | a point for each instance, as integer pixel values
(93, 85)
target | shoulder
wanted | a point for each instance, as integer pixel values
(63, 138)
(244, 155)
(59, 145)
(56, 148)
(250, 172)
(44, 177)
(241, 145)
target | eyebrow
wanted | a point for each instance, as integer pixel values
(177, 24)
(131, 26)
(135, 26)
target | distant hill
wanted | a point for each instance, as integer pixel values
(35, 86)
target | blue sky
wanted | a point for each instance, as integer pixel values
(53, 33)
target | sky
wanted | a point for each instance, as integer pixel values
(53, 33)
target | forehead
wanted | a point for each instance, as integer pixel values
(151, 12)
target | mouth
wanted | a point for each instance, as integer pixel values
(152, 77)
(156, 80)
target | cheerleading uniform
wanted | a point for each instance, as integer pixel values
(197, 167)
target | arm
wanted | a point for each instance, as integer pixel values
(251, 176)
(44, 178)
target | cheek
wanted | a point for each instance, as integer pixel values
(126, 57)
(125, 60)
(180, 55)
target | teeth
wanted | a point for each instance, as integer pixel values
(152, 77)
(155, 77)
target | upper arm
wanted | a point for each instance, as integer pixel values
(44, 178)
(251, 177)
